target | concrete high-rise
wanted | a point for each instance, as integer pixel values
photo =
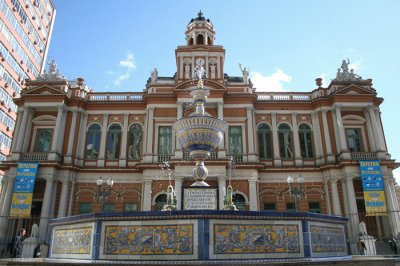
(25, 33)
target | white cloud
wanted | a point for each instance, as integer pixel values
(121, 77)
(273, 82)
(348, 50)
(128, 62)
(128, 65)
(355, 65)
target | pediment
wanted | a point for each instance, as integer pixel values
(354, 90)
(43, 90)
(211, 85)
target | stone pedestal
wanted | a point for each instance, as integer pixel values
(369, 242)
(28, 247)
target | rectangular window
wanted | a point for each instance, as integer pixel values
(290, 207)
(269, 207)
(85, 207)
(164, 140)
(314, 207)
(108, 207)
(235, 140)
(129, 207)
(43, 140)
(354, 140)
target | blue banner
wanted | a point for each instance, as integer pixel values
(25, 178)
(374, 194)
(371, 175)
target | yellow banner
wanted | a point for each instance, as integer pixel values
(375, 203)
(21, 205)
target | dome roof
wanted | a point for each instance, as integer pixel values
(199, 17)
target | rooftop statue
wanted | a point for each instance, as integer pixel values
(343, 73)
(52, 74)
(245, 72)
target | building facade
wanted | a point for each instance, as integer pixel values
(25, 33)
(318, 137)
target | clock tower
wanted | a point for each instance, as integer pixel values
(200, 50)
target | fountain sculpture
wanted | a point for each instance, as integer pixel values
(200, 133)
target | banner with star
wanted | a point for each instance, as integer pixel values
(374, 194)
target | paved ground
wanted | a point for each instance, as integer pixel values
(351, 260)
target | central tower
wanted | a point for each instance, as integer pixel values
(200, 50)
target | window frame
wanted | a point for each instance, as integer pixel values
(287, 145)
(115, 132)
(266, 145)
(306, 145)
(132, 142)
(89, 130)
(37, 136)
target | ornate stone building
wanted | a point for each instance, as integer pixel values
(317, 137)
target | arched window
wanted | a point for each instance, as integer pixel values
(306, 140)
(135, 142)
(264, 141)
(93, 141)
(114, 141)
(239, 201)
(285, 142)
(160, 201)
(200, 39)
(210, 41)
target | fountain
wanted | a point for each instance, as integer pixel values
(199, 133)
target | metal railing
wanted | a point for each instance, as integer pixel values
(34, 157)
(363, 156)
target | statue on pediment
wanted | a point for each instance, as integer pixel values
(343, 73)
(52, 74)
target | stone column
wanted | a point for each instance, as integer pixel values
(72, 194)
(21, 133)
(62, 132)
(3, 186)
(71, 138)
(342, 136)
(6, 203)
(103, 142)
(17, 130)
(253, 195)
(375, 126)
(178, 192)
(57, 129)
(221, 191)
(221, 147)
(335, 198)
(327, 196)
(62, 206)
(353, 212)
(380, 128)
(148, 156)
(124, 142)
(147, 197)
(371, 136)
(396, 208)
(81, 139)
(28, 131)
(250, 136)
(317, 138)
(297, 155)
(46, 207)
(390, 198)
(275, 141)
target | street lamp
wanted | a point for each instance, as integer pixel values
(296, 190)
(103, 194)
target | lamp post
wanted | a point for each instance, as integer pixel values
(104, 193)
(296, 190)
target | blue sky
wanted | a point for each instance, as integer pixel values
(286, 44)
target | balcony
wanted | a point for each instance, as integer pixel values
(39, 157)
(357, 156)
(116, 96)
